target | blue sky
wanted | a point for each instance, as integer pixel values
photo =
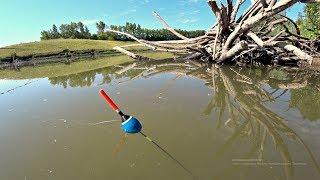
(23, 20)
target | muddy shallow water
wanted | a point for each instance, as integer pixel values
(241, 124)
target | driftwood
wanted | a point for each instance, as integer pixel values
(252, 37)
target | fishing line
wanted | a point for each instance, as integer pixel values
(167, 153)
(131, 125)
(104, 122)
(13, 89)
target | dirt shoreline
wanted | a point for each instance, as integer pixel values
(66, 56)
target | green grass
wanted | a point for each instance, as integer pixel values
(61, 69)
(58, 45)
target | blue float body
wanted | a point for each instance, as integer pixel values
(132, 125)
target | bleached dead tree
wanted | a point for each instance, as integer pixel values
(261, 34)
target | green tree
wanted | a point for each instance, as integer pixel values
(69, 30)
(81, 27)
(51, 34)
(54, 32)
(309, 24)
(80, 31)
(45, 35)
(101, 26)
(86, 33)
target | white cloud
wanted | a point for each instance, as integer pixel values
(128, 12)
(181, 14)
(89, 22)
(139, 2)
(186, 21)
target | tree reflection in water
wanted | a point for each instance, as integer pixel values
(244, 97)
(239, 96)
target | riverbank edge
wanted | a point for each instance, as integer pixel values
(66, 56)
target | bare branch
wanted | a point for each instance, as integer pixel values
(235, 10)
(256, 39)
(242, 45)
(132, 37)
(299, 53)
(253, 33)
(214, 7)
(166, 25)
(128, 53)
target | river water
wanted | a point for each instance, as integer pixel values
(218, 123)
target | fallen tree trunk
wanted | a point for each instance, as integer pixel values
(252, 38)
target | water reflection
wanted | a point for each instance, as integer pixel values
(240, 96)
(87, 78)
(243, 95)
(248, 107)
(307, 100)
(261, 84)
(83, 79)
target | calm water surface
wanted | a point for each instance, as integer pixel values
(220, 123)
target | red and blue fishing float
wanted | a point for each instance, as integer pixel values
(132, 125)
(129, 124)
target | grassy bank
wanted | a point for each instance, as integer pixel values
(58, 45)
(61, 69)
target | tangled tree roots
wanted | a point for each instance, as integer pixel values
(261, 35)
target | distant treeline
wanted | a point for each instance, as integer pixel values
(80, 31)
